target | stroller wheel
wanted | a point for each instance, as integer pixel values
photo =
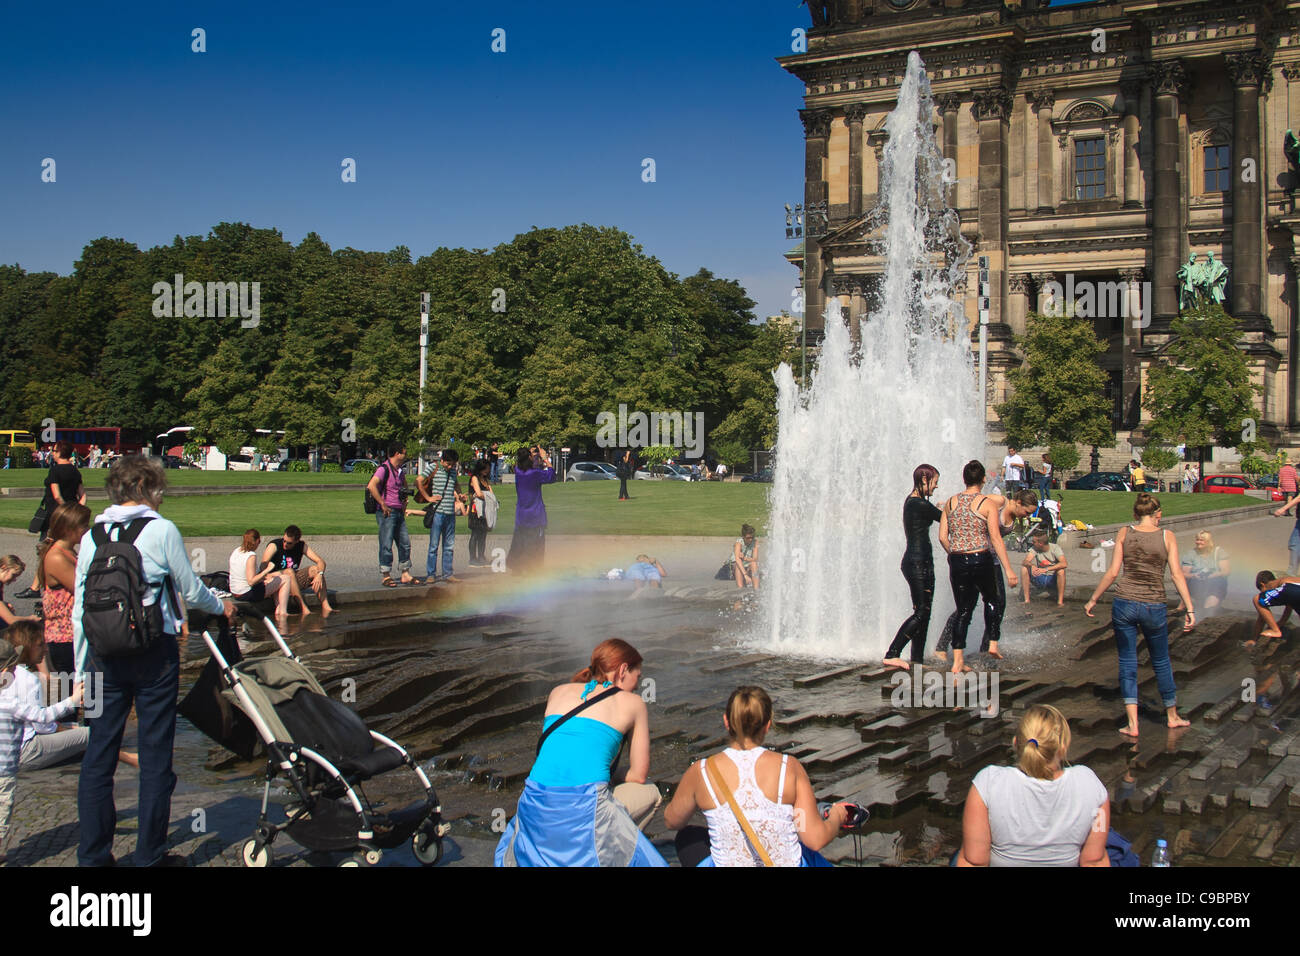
(371, 857)
(350, 861)
(426, 847)
(254, 854)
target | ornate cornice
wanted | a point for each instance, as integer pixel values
(1169, 77)
(1245, 69)
(816, 123)
(992, 104)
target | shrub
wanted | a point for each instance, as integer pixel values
(363, 468)
(298, 466)
(333, 467)
(1065, 458)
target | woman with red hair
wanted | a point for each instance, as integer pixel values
(568, 814)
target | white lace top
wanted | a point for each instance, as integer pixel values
(773, 822)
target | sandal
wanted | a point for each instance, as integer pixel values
(388, 582)
(414, 581)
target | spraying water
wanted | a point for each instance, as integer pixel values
(847, 444)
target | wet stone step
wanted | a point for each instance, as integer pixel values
(825, 759)
(820, 678)
(738, 662)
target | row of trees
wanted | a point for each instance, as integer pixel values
(1198, 393)
(529, 341)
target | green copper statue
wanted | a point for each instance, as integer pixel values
(1201, 282)
(1188, 274)
(1216, 279)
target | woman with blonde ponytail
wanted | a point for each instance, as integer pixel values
(569, 813)
(1040, 812)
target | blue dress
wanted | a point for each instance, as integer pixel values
(567, 814)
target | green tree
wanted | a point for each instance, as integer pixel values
(1059, 392)
(563, 387)
(1159, 459)
(1199, 392)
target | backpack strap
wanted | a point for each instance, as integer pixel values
(130, 531)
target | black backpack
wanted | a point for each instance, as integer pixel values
(370, 504)
(114, 617)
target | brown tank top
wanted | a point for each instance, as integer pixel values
(967, 529)
(1145, 557)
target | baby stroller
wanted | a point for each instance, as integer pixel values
(325, 752)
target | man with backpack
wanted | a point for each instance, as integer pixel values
(386, 499)
(133, 571)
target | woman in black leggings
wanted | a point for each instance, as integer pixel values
(1021, 504)
(970, 533)
(918, 566)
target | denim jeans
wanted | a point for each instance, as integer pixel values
(1128, 617)
(495, 474)
(444, 528)
(151, 681)
(393, 528)
(1294, 546)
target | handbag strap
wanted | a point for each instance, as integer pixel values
(573, 713)
(721, 787)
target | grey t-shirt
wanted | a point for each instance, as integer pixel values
(1039, 822)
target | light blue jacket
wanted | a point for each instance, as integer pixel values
(162, 553)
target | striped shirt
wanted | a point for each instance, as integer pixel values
(14, 717)
(441, 482)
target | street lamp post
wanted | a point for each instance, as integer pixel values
(424, 349)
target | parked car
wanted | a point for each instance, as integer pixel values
(591, 471)
(239, 462)
(176, 461)
(1098, 481)
(352, 463)
(665, 473)
(1232, 485)
(765, 475)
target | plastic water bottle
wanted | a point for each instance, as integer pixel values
(1161, 855)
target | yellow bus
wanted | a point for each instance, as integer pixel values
(18, 438)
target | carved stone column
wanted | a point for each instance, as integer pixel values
(1246, 71)
(1131, 339)
(993, 111)
(817, 131)
(846, 285)
(855, 113)
(1043, 102)
(948, 104)
(1041, 279)
(1018, 302)
(1291, 73)
(1293, 346)
(1133, 197)
(1170, 83)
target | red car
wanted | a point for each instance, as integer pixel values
(1232, 485)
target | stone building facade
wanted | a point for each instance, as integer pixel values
(1100, 143)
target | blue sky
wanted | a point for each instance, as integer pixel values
(455, 145)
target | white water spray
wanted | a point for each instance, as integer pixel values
(847, 445)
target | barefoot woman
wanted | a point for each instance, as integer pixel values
(969, 531)
(918, 566)
(1144, 550)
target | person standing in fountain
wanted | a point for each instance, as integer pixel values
(917, 567)
(569, 814)
(1009, 510)
(1144, 550)
(969, 531)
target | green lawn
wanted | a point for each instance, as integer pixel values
(589, 507)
